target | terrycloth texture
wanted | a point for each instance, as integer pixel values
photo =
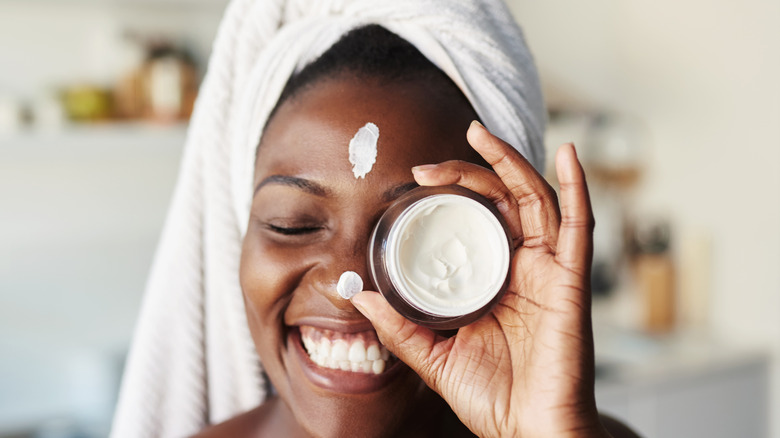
(192, 362)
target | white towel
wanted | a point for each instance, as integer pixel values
(192, 362)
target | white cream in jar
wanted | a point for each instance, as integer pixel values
(440, 256)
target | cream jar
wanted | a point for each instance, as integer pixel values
(440, 256)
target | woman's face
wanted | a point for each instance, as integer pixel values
(311, 220)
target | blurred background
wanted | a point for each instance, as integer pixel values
(674, 106)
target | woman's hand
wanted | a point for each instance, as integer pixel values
(526, 369)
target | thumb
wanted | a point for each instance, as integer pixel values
(420, 348)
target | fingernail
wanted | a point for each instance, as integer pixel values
(423, 168)
(477, 123)
(571, 147)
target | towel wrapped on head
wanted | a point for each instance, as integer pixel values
(192, 362)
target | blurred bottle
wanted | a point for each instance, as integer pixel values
(655, 276)
(161, 88)
(170, 84)
(11, 118)
(129, 90)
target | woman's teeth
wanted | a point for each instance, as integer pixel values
(359, 352)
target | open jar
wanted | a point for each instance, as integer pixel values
(440, 256)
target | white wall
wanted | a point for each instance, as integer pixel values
(80, 217)
(703, 78)
(81, 208)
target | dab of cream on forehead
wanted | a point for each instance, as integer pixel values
(362, 150)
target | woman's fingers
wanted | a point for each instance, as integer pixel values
(478, 179)
(537, 201)
(575, 242)
(419, 347)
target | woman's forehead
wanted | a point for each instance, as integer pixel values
(313, 130)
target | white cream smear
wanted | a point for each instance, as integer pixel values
(448, 255)
(349, 285)
(362, 150)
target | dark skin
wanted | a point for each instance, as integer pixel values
(524, 370)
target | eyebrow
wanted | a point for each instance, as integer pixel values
(316, 189)
(306, 185)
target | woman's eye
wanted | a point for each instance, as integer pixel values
(293, 231)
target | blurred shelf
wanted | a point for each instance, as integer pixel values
(94, 138)
(631, 358)
(683, 384)
(111, 171)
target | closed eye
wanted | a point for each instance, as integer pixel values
(292, 231)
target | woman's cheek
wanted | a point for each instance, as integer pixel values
(269, 274)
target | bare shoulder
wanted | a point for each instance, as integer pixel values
(248, 424)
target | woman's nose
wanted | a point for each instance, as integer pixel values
(347, 253)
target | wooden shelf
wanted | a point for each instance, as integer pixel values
(88, 137)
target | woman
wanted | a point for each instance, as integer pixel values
(524, 370)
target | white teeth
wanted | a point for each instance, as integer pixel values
(323, 348)
(357, 352)
(308, 343)
(372, 352)
(340, 350)
(378, 366)
(341, 354)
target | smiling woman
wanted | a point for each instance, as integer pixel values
(311, 220)
(334, 367)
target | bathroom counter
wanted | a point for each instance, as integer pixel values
(683, 385)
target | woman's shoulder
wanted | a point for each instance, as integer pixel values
(247, 424)
(263, 421)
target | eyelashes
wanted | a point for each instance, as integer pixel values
(293, 231)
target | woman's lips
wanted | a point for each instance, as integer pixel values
(343, 362)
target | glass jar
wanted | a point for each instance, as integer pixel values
(440, 256)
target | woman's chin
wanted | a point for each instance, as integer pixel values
(326, 392)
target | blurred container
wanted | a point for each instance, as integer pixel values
(169, 84)
(614, 150)
(47, 112)
(87, 103)
(11, 115)
(129, 96)
(655, 277)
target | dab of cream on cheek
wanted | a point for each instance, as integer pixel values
(362, 150)
(448, 254)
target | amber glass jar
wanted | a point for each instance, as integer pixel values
(440, 256)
